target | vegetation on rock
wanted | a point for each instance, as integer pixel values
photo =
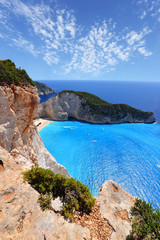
(74, 195)
(9, 74)
(43, 88)
(99, 106)
(146, 221)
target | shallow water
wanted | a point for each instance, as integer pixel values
(126, 153)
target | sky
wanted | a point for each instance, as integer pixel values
(82, 39)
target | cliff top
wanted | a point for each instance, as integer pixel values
(9, 74)
(100, 106)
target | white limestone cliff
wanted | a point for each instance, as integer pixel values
(18, 134)
(20, 147)
(69, 104)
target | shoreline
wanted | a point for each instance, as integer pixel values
(40, 123)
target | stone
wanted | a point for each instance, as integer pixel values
(21, 147)
(115, 205)
(20, 213)
(57, 204)
(18, 134)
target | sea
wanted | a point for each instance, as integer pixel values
(126, 153)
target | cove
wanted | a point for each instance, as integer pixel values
(126, 153)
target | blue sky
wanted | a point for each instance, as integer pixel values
(82, 39)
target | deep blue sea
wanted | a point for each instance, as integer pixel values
(126, 153)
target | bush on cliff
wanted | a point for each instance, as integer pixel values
(9, 74)
(146, 221)
(74, 195)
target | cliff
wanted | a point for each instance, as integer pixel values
(20, 213)
(88, 107)
(43, 89)
(22, 218)
(18, 134)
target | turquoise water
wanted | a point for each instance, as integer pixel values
(126, 153)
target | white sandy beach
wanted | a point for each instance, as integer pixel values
(40, 123)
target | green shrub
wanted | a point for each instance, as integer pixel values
(45, 201)
(74, 195)
(146, 221)
(9, 74)
(40, 179)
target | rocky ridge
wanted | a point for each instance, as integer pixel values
(18, 134)
(43, 89)
(20, 213)
(88, 107)
(21, 216)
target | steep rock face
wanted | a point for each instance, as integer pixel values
(42, 154)
(115, 204)
(69, 104)
(22, 218)
(20, 213)
(18, 134)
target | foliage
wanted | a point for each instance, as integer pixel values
(146, 221)
(45, 201)
(99, 106)
(9, 74)
(74, 194)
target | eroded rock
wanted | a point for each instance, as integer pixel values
(20, 214)
(18, 134)
(115, 204)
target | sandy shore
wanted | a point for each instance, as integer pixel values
(41, 123)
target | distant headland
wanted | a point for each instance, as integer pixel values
(43, 89)
(87, 107)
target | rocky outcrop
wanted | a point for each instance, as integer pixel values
(18, 134)
(87, 107)
(22, 218)
(20, 213)
(115, 205)
(45, 159)
(43, 89)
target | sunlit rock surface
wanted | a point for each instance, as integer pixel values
(18, 134)
(89, 108)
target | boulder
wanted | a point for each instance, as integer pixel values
(115, 205)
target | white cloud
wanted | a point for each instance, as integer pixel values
(133, 37)
(102, 48)
(144, 52)
(50, 57)
(149, 8)
(142, 16)
(53, 35)
(20, 42)
(54, 28)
